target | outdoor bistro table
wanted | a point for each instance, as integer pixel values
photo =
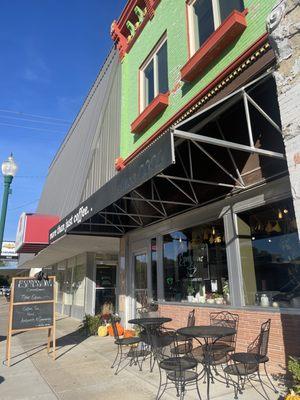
(210, 334)
(151, 326)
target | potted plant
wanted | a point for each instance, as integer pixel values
(200, 296)
(190, 292)
(226, 291)
(218, 297)
(294, 369)
(210, 298)
(90, 324)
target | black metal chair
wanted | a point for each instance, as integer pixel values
(132, 355)
(185, 344)
(245, 366)
(178, 370)
(220, 349)
(225, 318)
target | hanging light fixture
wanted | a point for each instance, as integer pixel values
(280, 216)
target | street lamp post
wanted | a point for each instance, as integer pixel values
(9, 170)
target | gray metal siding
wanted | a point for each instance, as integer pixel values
(107, 148)
(85, 160)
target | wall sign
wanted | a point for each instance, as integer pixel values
(32, 306)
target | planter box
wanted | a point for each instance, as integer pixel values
(233, 26)
(156, 107)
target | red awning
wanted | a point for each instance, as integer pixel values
(33, 232)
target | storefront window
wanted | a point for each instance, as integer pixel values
(79, 285)
(270, 255)
(154, 268)
(195, 265)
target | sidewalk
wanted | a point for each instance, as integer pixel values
(81, 370)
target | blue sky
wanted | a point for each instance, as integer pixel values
(51, 51)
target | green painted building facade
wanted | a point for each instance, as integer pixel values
(170, 18)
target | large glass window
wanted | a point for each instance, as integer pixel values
(195, 265)
(154, 74)
(270, 255)
(205, 16)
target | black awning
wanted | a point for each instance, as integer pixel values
(229, 147)
(156, 158)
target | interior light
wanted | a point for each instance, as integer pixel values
(253, 238)
(285, 211)
(270, 240)
(280, 214)
(213, 230)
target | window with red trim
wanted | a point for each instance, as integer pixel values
(205, 16)
(154, 74)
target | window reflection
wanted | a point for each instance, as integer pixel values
(195, 265)
(270, 254)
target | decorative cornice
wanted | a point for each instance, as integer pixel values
(132, 21)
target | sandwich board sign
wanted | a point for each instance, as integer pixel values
(32, 307)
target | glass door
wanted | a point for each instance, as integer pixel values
(105, 288)
(140, 281)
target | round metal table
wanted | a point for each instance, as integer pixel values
(150, 325)
(154, 322)
(210, 334)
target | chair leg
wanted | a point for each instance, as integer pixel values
(269, 379)
(198, 391)
(120, 360)
(262, 384)
(115, 360)
(159, 395)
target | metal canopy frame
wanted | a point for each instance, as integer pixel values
(151, 202)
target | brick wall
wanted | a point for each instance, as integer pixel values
(284, 335)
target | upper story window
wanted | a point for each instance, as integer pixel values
(154, 74)
(205, 16)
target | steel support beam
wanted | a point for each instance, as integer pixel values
(210, 183)
(226, 144)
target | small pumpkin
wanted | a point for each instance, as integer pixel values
(119, 327)
(292, 396)
(102, 331)
(128, 333)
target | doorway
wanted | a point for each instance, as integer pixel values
(140, 281)
(105, 287)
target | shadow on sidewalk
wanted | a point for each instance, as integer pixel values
(1, 379)
(71, 340)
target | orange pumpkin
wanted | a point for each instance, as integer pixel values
(120, 329)
(128, 333)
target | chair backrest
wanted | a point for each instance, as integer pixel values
(191, 318)
(227, 319)
(164, 343)
(261, 342)
(115, 329)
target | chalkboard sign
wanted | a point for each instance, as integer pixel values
(29, 290)
(32, 306)
(27, 316)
